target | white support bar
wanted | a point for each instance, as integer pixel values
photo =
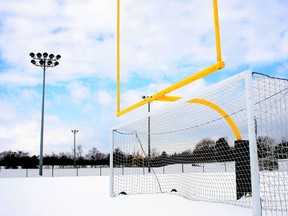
(253, 145)
(111, 163)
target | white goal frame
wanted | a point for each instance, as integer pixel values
(247, 78)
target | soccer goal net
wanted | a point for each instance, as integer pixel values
(226, 144)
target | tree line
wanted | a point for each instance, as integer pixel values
(206, 151)
(14, 159)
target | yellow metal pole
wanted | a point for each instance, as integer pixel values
(221, 112)
(217, 66)
(174, 87)
(168, 98)
(118, 56)
(217, 31)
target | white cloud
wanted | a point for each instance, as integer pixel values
(79, 31)
(15, 78)
(104, 98)
(78, 92)
(20, 136)
(156, 40)
(252, 31)
(152, 40)
(7, 111)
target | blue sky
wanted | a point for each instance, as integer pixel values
(161, 42)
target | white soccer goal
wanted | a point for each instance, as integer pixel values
(227, 144)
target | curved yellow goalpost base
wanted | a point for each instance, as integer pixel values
(211, 105)
(221, 112)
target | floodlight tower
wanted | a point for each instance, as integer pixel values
(44, 61)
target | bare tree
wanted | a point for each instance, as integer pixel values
(79, 151)
(154, 153)
(95, 156)
(265, 146)
(204, 151)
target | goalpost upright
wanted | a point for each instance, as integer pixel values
(161, 95)
(255, 181)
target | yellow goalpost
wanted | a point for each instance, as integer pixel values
(161, 95)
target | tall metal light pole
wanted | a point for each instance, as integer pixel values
(44, 61)
(149, 136)
(74, 132)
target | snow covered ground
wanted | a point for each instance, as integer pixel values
(83, 196)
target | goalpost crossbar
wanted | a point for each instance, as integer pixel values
(205, 72)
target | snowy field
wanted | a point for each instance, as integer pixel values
(65, 194)
(74, 196)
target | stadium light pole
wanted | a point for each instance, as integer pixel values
(74, 132)
(44, 61)
(149, 135)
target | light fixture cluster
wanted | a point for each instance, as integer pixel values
(44, 60)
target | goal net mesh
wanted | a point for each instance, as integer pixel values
(198, 147)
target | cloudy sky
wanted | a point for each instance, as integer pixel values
(162, 42)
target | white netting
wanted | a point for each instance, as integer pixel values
(200, 149)
(271, 121)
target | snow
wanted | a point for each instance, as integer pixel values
(83, 196)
